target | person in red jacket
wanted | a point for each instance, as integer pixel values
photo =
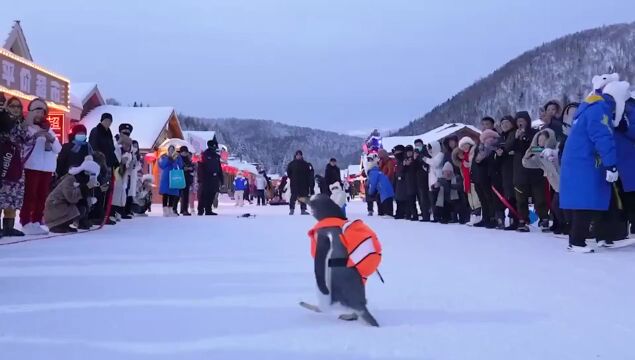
(387, 165)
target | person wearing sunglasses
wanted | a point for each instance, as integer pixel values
(38, 168)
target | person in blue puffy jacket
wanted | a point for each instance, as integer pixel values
(240, 186)
(589, 163)
(625, 143)
(168, 162)
(378, 182)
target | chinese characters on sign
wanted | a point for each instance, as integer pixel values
(23, 76)
(57, 125)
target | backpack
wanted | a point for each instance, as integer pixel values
(361, 243)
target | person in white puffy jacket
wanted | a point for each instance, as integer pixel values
(41, 161)
(436, 168)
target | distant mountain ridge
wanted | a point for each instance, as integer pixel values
(561, 69)
(274, 144)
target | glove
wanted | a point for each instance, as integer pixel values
(75, 184)
(612, 174)
(92, 200)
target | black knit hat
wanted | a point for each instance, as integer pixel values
(509, 118)
(399, 148)
(299, 152)
(489, 118)
(409, 148)
(124, 127)
(105, 116)
(333, 160)
(184, 149)
(523, 115)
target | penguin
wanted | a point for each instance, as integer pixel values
(336, 283)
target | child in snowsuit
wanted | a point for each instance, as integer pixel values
(338, 196)
(378, 182)
(448, 205)
(240, 186)
(336, 282)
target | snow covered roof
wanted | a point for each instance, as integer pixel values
(243, 166)
(77, 102)
(198, 139)
(16, 42)
(83, 91)
(354, 170)
(428, 137)
(147, 122)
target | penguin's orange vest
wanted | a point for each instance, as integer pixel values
(361, 243)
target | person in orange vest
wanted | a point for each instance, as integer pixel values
(337, 280)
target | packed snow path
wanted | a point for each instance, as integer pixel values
(228, 288)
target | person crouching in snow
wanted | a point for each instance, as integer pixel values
(337, 281)
(543, 154)
(378, 182)
(143, 198)
(240, 186)
(338, 196)
(61, 209)
(589, 162)
(447, 206)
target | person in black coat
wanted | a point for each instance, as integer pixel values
(300, 174)
(481, 171)
(101, 140)
(405, 184)
(210, 178)
(506, 156)
(449, 144)
(188, 170)
(332, 175)
(422, 179)
(527, 182)
(74, 152)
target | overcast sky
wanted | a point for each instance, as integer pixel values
(341, 65)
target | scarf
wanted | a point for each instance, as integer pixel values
(77, 145)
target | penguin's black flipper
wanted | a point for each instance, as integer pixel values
(369, 318)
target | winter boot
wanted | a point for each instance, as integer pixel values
(304, 212)
(522, 227)
(544, 225)
(580, 249)
(481, 223)
(491, 224)
(8, 228)
(292, 211)
(370, 213)
(513, 225)
(84, 224)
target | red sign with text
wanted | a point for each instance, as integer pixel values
(57, 125)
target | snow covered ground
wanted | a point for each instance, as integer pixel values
(228, 288)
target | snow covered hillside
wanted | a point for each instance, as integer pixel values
(561, 69)
(228, 288)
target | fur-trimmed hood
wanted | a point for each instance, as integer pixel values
(552, 142)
